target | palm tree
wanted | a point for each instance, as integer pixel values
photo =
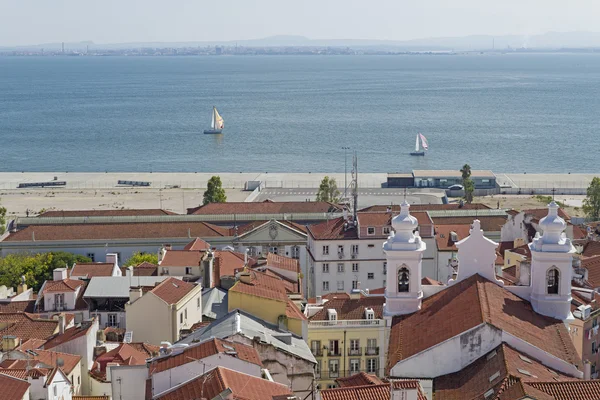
(466, 171)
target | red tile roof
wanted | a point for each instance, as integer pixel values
(182, 258)
(69, 334)
(578, 390)
(12, 388)
(65, 285)
(231, 262)
(143, 269)
(292, 311)
(291, 286)
(31, 344)
(261, 285)
(17, 306)
(281, 262)
(243, 229)
(429, 207)
(590, 248)
(172, 290)
(106, 213)
(149, 230)
(265, 207)
(91, 397)
(214, 382)
(592, 264)
(360, 379)
(468, 304)
(428, 281)
(49, 358)
(474, 380)
(443, 238)
(89, 270)
(349, 308)
(371, 392)
(523, 250)
(197, 244)
(205, 349)
(27, 326)
(124, 354)
(539, 213)
(332, 230)
(488, 223)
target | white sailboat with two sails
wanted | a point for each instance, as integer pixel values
(216, 123)
(423, 144)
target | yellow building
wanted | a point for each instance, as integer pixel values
(265, 297)
(347, 335)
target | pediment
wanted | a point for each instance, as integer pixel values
(273, 231)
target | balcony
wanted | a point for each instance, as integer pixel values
(347, 323)
(325, 375)
(372, 351)
(334, 353)
(354, 351)
(317, 352)
(340, 254)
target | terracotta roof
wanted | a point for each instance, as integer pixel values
(291, 286)
(143, 269)
(332, 230)
(329, 296)
(381, 290)
(31, 344)
(69, 334)
(281, 262)
(124, 354)
(12, 388)
(539, 213)
(371, 392)
(360, 379)
(106, 213)
(27, 326)
(351, 308)
(591, 248)
(429, 207)
(182, 258)
(468, 304)
(231, 262)
(523, 250)
(49, 358)
(474, 380)
(578, 390)
(172, 290)
(205, 349)
(261, 285)
(266, 207)
(65, 285)
(197, 244)
(214, 382)
(292, 311)
(374, 219)
(88, 270)
(428, 281)
(91, 397)
(592, 264)
(149, 230)
(488, 223)
(443, 238)
(17, 306)
(511, 271)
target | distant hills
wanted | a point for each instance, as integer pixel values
(550, 40)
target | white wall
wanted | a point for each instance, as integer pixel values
(69, 303)
(192, 303)
(103, 317)
(62, 386)
(129, 382)
(98, 388)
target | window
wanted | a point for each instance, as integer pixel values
(354, 284)
(273, 249)
(552, 280)
(354, 365)
(318, 368)
(112, 320)
(354, 267)
(181, 318)
(185, 311)
(325, 268)
(384, 282)
(315, 347)
(371, 275)
(594, 348)
(198, 302)
(334, 368)
(386, 230)
(355, 249)
(340, 267)
(384, 267)
(325, 250)
(91, 256)
(593, 368)
(326, 286)
(354, 347)
(296, 252)
(334, 347)
(403, 279)
(371, 245)
(79, 380)
(118, 257)
(372, 365)
(369, 313)
(59, 301)
(341, 250)
(594, 322)
(54, 389)
(370, 230)
(371, 346)
(188, 270)
(252, 251)
(340, 285)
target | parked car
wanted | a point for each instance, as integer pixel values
(456, 187)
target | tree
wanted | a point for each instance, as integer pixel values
(591, 204)
(467, 182)
(137, 258)
(2, 220)
(328, 191)
(214, 191)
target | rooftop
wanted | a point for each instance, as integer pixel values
(360, 379)
(197, 244)
(348, 308)
(118, 286)
(443, 238)
(395, 208)
(372, 391)
(124, 354)
(172, 290)
(87, 270)
(65, 285)
(105, 213)
(182, 258)
(488, 223)
(266, 207)
(282, 262)
(143, 269)
(261, 285)
(27, 326)
(69, 334)
(13, 388)
(419, 173)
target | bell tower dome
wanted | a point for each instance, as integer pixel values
(404, 252)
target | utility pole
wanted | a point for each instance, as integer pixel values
(345, 171)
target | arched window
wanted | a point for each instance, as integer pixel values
(552, 280)
(403, 279)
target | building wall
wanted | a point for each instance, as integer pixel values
(69, 303)
(103, 318)
(98, 388)
(514, 228)
(196, 270)
(165, 380)
(62, 387)
(268, 310)
(150, 319)
(190, 305)
(129, 382)
(585, 338)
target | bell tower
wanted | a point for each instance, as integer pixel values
(551, 267)
(404, 252)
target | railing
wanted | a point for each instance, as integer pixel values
(340, 254)
(325, 375)
(317, 352)
(334, 353)
(114, 325)
(372, 351)
(346, 323)
(354, 352)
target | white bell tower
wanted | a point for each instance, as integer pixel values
(404, 252)
(551, 268)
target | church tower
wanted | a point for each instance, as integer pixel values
(404, 252)
(551, 267)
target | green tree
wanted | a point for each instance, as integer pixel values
(137, 258)
(467, 182)
(466, 171)
(214, 191)
(591, 204)
(328, 190)
(2, 220)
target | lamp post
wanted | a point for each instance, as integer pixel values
(345, 170)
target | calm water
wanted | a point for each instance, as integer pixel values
(509, 113)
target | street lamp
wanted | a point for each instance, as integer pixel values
(345, 170)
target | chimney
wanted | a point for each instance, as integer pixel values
(129, 271)
(112, 258)
(108, 369)
(245, 277)
(22, 287)
(101, 336)
(587, 370)
(9, 343)
(355, 293)
(99, 350)
(61, 324)
(319, 300)
(59, 274)
(135, 293)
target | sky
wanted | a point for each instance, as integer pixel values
(24, 22)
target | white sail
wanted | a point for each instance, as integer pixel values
(219, 124)
(424, 143)
(417, 144)
(212, 119)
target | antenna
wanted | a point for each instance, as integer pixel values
(355, 184)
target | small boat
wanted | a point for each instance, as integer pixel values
(216, 123)
(424, 145)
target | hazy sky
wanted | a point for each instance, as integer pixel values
(117, 21)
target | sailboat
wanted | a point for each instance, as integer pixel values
(424, 145)
(216, 123)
